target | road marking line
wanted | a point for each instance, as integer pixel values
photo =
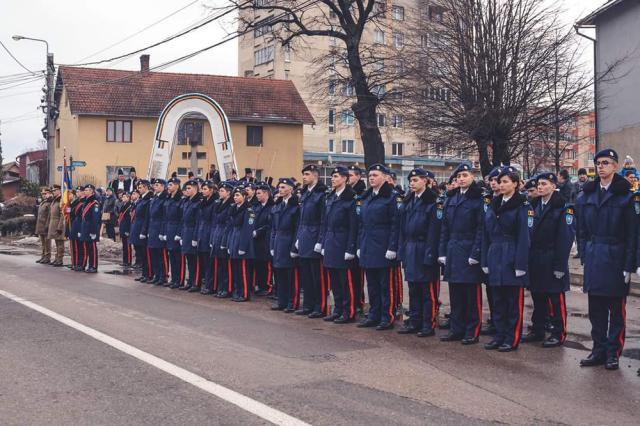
(244, 402)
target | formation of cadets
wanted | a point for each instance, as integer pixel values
(301, 244)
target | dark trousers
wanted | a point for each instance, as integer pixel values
(312, 279)
(193, 265)
(76, 253)
(288, 288)
(145, 260)
(553, 306)
(608, 317)
(507, 314)
(140, 252)
(423, 305)
(466, 309)
(159, 263)
(398, 291)
(263, 274)
(223, 281)
(127, 255)
(92, 254)
(206, 271)
(110, 230)
(489, 292)
(343, 289)
(241, 272)
(381, 292)
(177, 264)
(357, 274)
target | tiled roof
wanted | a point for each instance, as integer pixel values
(95, 91)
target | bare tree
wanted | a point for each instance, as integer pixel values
(351, 66)
(487, 76)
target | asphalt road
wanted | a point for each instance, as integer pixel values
(315, 372)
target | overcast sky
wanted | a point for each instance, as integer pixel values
(76, 29)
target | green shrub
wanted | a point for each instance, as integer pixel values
(25, 225)
(18, 206)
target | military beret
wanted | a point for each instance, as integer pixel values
(551, 177)
(341, 170)
(310, 168)
(160, 181)
(55, 186)
(462, 167)
(508, 170)
(287, 181)
(144, 182)
(240, 189)
(79, 188)
(452, 177)
(494, 173)
(209, 184)
(355, 169)
(393, 174)
(228, 185)
(263, 186)
(174, 180)
(531, 183)
(90, 187)
(199, 180)
(191, 182)
(379, 168)
(606, 153)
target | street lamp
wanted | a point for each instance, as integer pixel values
(50, 125)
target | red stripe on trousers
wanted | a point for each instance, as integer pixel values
(352, 303)
(149, 262)
(215, 274)
(391, 301)
(181, 269)
(230, 276)
(516, 337)
(323, 295)
(197, 283)
(563, 313)
(476, 332)
(269, 272)
(432, 296)
(295, 289)
(166, 262)
(621, 337)
(244, 279)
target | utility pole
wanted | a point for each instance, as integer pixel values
(50, 120)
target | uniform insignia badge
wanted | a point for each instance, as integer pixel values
(398, 201)
(637, 206)
(530, 218)
(251, 221)
(96, 209)
(439, 213)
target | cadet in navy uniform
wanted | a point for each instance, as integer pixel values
(531, 189)
(187, 233)
(223, 280)
(242, 220)
(263, 269)
(494, 191)
(460, 253)
(419, 233)
(378, 246)
(607, 232)
(90, 227)
(286, 214)
(171, 232)
(140, 229)
(505, 258)
(307, 248)
(551, 240)
(203, 235)
(396, 265)
(124, 227)
(357, 274)
(155, 238)
(338, 240)
(79, 250)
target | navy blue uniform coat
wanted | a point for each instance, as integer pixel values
(220, 227)
(124, 218)
(262, 230)
(172, 220)
(91, 219)
(311, 207)
(156, 221)
(242, 220)
(190, 212)
(283, 231)
(205, 220)
(378, 226)
(339, 228)
(140, 223)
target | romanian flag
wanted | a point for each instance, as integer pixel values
(66, 188)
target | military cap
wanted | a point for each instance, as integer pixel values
(462, 167)
(263, 186)
(133, 169)
(79, 188)
(55, 186)
(355, 169)
(209, 183)
(508, 170)
(393, 174)
(144, 182)
(160, 181)
(341, 170)
(251, 185)
(174, 180)
(494, 173)
(90, 187)
(420, 172)
(551, 177)
(191, 182)
(531, 183)
(240, 189)
(228, 185)
(247, 170)
(606, 153)
(287, 181)
(120, 172)
(380, 168)
(310, 168)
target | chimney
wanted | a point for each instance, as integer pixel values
(144, 63)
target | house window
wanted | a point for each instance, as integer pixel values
(378, 65)
(331, 147)
(184, 171)
(332, 87)
(397, 149)
(332, 120)
(348, 146)
(436, 13)
(348, 89)
(379, 8)
(381, 120)
(333, 41)
(199, 155)
(190, 132)
(398, 121)
(347, 117)
(264, 2)
(398, 13)
(399, 66)
(378, 36)
(254, 135)
(262, 28)
(379, 91)
(398, 40)
(118, 131)
(57, 138)
(262, 56)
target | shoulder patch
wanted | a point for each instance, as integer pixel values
(439, 210)
(530, 213)
(568, 216)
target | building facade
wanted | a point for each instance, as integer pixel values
(108, 119)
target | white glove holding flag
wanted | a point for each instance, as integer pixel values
(390, 255)
(442, 260)
(317, 248)
(348, 256)
(520, 273)
(472, 261)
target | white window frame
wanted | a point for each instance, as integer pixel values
(348, 146)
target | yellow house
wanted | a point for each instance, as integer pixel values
(107, 118)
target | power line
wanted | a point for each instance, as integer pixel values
(14, 58)
(23, 83)
(140, 31)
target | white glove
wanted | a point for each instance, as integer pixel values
(520, 273)
(348, 256)
(390, 255)
(210, 246)
(229, 252)
(322, 252)
(177, 238)
(93, 236)
(254, 234)
(293, 255)
(272, 252)
(79, 235)
(442, 260)
(317, 248)
(296, 244)
(180, 241)
(485, 270)
(638, 271)
(241, 253)
(142, 236)
(558, 274)
(194, 243)
(126, 234)
(358, 252)
(164, 237)
(472, 261)
(627, 277)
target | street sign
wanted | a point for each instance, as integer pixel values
(70, 168)
(75, 163)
